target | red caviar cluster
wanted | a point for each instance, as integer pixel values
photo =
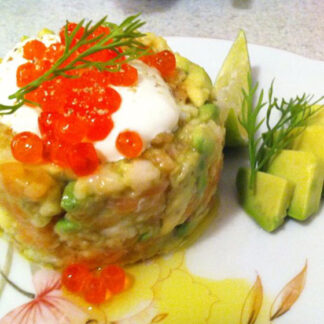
(95, 287)
(163, 61)
(77, 111)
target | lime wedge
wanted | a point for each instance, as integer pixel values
(232, 78)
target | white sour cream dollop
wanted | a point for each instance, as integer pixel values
(148, 108)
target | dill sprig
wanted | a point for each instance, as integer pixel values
(125, 35)
(291, 121)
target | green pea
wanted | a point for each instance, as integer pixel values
(64, 226)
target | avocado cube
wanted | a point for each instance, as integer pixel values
(311, 140)
(267, 201)
(304, 171)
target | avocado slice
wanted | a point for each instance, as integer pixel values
(304, 171)
(267, 202)
(311, 140)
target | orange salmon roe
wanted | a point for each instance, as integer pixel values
(27, 148)
(163, 61)
(77, 111)
(75, 276)
(95, 287)
(83, 159)
(99, 127)
(114, 277)
(34, 50)
(129, 144)
(95, 291)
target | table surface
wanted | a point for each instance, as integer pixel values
(293, 25)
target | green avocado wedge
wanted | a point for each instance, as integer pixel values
(268, 201)
(302, 169)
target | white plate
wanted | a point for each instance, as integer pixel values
(234, 246)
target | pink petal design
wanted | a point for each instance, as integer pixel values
(46, 280)
(49, 306)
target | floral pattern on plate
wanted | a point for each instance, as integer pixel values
(163, 291)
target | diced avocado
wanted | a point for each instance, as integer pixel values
(182, 62)
(87, 206)
(267, 202)
(304, 171)
(202, 165)
(65, 226)
(145, 236)
(197, 83)
(69, 201)
(202, 175)
(202, 182)
(202, 140)
(148, 233)
(311, 140)
(208, 111)
(182, 229)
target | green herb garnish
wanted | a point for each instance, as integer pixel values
(291, 121)
(124, 35)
